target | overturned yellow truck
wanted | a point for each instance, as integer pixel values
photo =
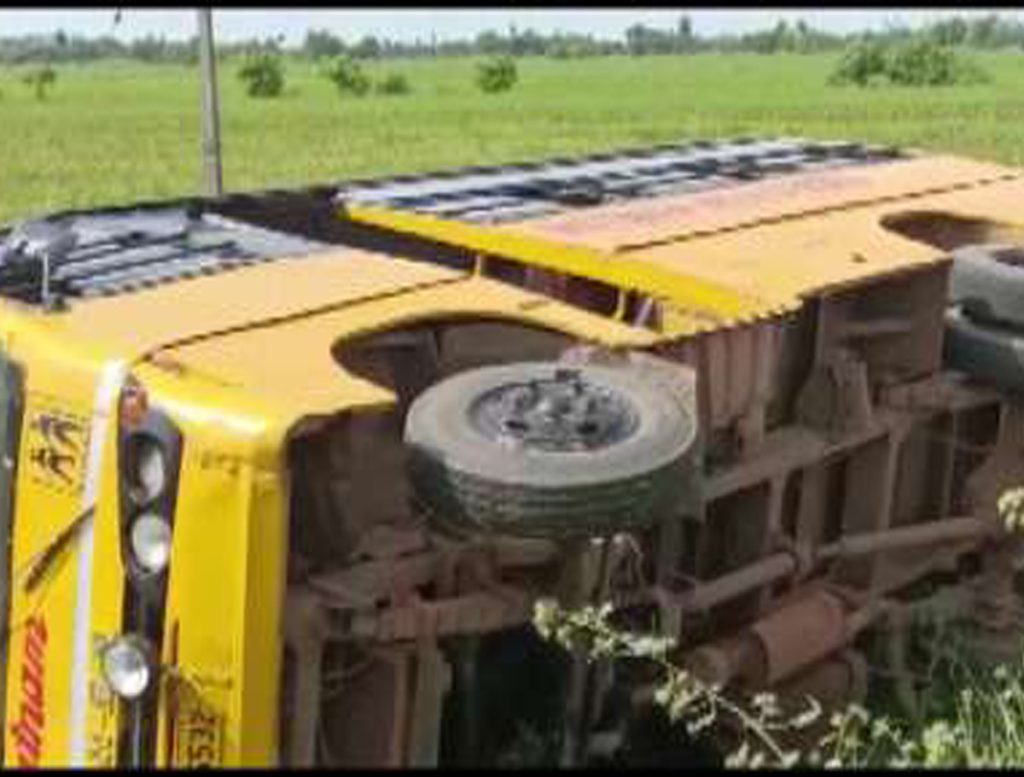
(284, 473)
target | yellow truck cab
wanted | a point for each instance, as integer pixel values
(286, 472)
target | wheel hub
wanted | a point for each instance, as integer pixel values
(561, 413)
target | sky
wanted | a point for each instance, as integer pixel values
(408, 24)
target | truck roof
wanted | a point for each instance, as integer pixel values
(731, 232)
(539, 190)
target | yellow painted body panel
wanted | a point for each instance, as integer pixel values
(809, 256)
(305, 378)
(229, 547)
(41, 513)
(745, 251)
(226, 583)
(264, 293)
(709, 303)
(59, 379)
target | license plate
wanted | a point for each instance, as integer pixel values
(197, 733)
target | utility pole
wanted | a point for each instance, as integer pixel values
(210, 108)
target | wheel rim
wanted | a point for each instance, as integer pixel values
(562, 413)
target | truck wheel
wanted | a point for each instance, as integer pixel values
(987, 282)
(547, 450)
(994, 355)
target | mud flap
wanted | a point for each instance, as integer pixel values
(11, 408)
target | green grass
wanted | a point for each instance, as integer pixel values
(116, 131)
(973, 717)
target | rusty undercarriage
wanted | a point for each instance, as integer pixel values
(808, 535)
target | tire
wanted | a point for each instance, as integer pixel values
(987, 282)
(993, 355)
(471, 478)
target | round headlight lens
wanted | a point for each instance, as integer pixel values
(126, 666)
(149, 476)
(151, 542)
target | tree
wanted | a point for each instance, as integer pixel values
(952, 32)
(862, 64)
(263, 75)
(780, 38)
(40, 79)
(922, 63)
(523, 44)
(491, 43)
(190, 52)
(347, 76)
(149, 49)
(684, 34)
(684, 29)
(637, 40)
(393, 84)
(642, 40)
(368, 48)
(917, 62)
(983, 31)
(320, 44)
(497, 74)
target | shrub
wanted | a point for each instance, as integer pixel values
(347, 76)
(979, 726)
(921, 62)
(263, 75)
(497, 74)
(40, 79)
(393, 84)
(862, 64)
(958, 711)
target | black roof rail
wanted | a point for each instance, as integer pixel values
(117, 250)
(512, 192)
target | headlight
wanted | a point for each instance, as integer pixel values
(151, 542)
(127, 667)
(148, 469)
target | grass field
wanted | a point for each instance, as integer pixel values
(118, 131)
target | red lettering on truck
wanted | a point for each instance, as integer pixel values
(28, 728)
